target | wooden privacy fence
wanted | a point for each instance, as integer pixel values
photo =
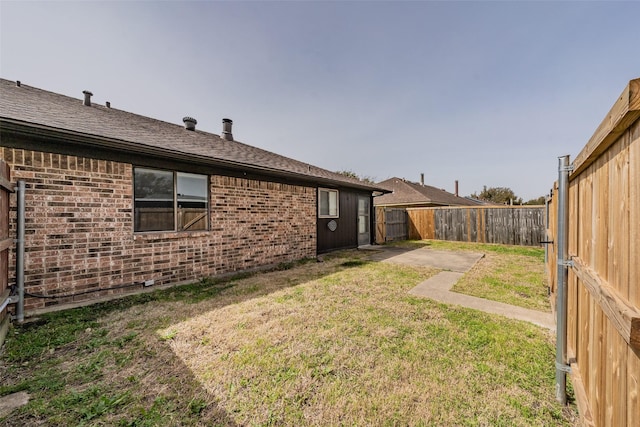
(391, 224)
(510, 225)
(603, 291)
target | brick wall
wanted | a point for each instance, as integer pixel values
(79, 229)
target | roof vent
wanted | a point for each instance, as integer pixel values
(189, 123)
(226, 129)
(18, 83)
(107, 104)
(87, 98)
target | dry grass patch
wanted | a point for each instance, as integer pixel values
(296, 351)
(353, 348)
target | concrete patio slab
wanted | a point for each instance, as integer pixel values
(444, 260)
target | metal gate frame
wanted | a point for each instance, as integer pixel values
(6, 243)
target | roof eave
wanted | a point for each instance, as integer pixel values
(34, 130)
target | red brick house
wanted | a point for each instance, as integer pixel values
(115, 200)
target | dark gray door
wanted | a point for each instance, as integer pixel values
(364, 223)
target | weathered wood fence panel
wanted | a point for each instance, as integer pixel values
(5, 245)
(391, 224)
(510, 225)
(603, 313)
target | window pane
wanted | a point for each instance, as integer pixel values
(153, 200)
(193, 212)
(327, 203)
(333, 203)
(363, 207)
(363, 224)
(324, 203)
(363, 215)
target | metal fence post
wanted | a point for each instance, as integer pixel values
(20, 251)
(563, 263)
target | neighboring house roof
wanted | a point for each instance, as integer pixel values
(480, 202)
(406, 193)
(32, 111)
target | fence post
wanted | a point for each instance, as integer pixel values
(562, 270)
(20, 252)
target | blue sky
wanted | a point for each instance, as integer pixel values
(488, 93)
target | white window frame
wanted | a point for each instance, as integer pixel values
(337, 207)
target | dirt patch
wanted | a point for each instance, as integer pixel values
(12, 401)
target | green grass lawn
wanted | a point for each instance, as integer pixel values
(509, 274)
(334, 343)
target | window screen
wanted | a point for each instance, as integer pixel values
(192, 202)
(153, 205)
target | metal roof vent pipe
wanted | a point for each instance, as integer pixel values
(87, 98)
(189, 123)
(456, 189)
(422, 179)
(226, 129)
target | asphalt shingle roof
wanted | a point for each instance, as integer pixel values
(29, 106)
(411, 193)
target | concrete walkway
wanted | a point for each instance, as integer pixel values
(455, 265)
